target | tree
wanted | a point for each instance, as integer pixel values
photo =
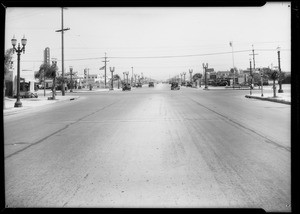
(7, 63)
(235, 70)
(197, 76)
(273, 75)
(49, 72)
(117, 78)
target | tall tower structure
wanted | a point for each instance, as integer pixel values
(47, 56)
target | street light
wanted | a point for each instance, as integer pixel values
(71, 69)
(261, 82)
(279, 69)
(112, 69)
(19, 50)
(181, 78)
(131, 75)
(54, 63)
(127, 76)
(191, 71)
(205, 67)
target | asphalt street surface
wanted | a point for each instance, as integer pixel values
(151, 147)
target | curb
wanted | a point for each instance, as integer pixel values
(269, 99)
(13, 111)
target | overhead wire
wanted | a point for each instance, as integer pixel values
(159, 57)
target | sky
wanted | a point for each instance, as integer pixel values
(159, 42)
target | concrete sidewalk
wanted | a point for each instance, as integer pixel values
(31, 103)
(256, 93)
(268, 95)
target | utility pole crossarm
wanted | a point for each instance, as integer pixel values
(62, 30)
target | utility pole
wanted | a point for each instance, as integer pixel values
(253, 55)
(62, 49)
(105, 61)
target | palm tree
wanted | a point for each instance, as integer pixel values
(196, 77)
(117, 77)
(7, 61)
(50, 72)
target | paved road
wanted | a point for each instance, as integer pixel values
(151, 147)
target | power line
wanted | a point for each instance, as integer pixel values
(189, 55)
(158, 57)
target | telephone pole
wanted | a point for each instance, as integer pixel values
(253, 57)
(105, 61)
(62, 49)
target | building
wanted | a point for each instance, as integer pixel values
(47, 56)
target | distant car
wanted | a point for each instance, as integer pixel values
(222, 83)
(175, 86)
(126, 87)
(151, 84)
(189, 84)
(138, 85)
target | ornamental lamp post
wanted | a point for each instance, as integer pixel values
(112, 69)
(191, 71)
(124, 76)
(279, 70)
(71, 69)
(54, 64)
(261, 82)
(205, 67)
(127, 76)
(19, 50)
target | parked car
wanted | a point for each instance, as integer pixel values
(175, 86)
(126, 87)
(151, 84)
(222, 83)
(189, 84)
(138, 85)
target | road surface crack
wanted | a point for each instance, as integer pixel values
(60, 130)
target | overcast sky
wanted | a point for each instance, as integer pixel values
(158, 42)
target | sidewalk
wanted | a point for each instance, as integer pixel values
(284, 97)
(268, 95)
(30, 103)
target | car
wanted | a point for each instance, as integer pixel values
(189, 84)
(151, 84)
(175, 86)
(126, 87)
(222, 83)
(138, 85)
